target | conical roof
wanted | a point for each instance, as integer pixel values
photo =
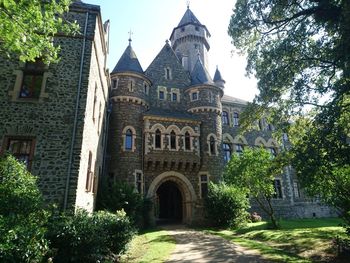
(189, 18)
(217, 76)
(199, 74)
(128, 62)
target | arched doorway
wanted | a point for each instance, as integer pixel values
(169, 202)
(172, 193)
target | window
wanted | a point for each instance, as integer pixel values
(167, 73)
(172, 140)
(194, 96)
(204, 185)
(33, 75)
(89, 174)
(187, 141)
(174, 96)
(225, 117)
(131, 85)
(212, 145)
(278, 189)
(94, 104)
(161, 95)
(235, 119)
(22, 149)
(210, 97)
(158, 139)
(270, 127)
(196, 28)
(145, 88)
(296, 190)
(128, 140)
(99, 118)
(239, 149)
(227, 152)
(139, 182)
(115, 83)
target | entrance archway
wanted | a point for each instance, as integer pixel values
(169, 202)
(172, 190)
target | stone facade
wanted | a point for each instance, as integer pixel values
(172, 130)
(53, 132)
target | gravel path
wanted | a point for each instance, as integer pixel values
(197, 247)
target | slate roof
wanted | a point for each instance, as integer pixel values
(217, 76)
(231, 99)
(189, 18)
(82, 5)
(128, 62)
(167, 113)
(200, 75)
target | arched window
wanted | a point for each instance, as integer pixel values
(172, 140)
(212, 145)
(239, 149)
(225, 117)
(158, 140)
(187, 141)
(235, 119)
(128, 140)
(227, 152)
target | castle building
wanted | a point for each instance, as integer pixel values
(54, 117)
(170, 127)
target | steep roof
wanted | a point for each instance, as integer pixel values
(217, 76)
(128, 62)
(189, 18)
(200, 75)
(230, 99)
(167, 58)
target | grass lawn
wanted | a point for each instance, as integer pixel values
(304, 240)
(150, 246)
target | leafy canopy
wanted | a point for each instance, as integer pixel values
(27, 28)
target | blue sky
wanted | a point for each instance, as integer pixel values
(152, 22)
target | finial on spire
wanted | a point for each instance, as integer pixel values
(167, 41)
(130, 34)
(188, 4)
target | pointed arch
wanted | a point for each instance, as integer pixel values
(259, 141)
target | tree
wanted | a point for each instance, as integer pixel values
(22, 214)
(300, 53)
(255, 171)
(27, 28)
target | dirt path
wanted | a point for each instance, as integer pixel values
(196, 247)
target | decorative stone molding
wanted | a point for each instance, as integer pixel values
(133, 138)
(205, 109)
(131, 99)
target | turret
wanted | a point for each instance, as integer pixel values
(219, 81)
(188, 39)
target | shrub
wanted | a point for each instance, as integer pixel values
(122, 195)
(22, 216)
(226, 205)
(254, 217)
(89, 238)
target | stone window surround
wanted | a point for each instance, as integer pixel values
(115, 83)
(162, 130)
(137, 172)
(215, 145)
(282, 188)
(235, 118)
(133, 138)
(226, 150)
(14, 94)
(5, 145)
(131, 84)
(191, 94)
(225, 117)
(200, 182)
(145, 88)
(192, 135)
(164, 89)
(168, 73)
(177, 92)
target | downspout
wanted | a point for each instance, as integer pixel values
(104, 165)
(75, 116)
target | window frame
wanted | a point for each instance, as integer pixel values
(203, 181)
(225, 118)
(227, 151)
(158, 139)
(278, 188)
(235, 119)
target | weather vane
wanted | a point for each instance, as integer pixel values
(130, 34)
(188, 3)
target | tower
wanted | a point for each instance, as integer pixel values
(189, 39)
(129, 97)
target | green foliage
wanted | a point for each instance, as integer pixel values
(22, 217)
(254, 171)
(27, 28)
(226, 206)
(121, 195)
(88, 238)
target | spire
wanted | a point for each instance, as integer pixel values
(219, 81)
(128, 61)
(200, 75)
(189, 18)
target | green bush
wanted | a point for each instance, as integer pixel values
(89, 238)
(22, 216)
(226, 206)
(121, 195)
